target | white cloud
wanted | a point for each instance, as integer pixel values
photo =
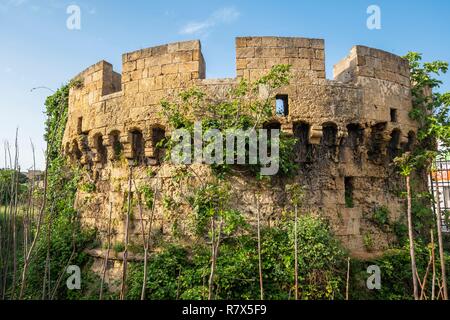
(222, 16)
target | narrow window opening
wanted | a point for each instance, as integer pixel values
(80, 125)
(275, 125)
(329, 137)
(158, 135)
(411, 141)
(348, 192)
(376, 142)
(282, 105)
(393, 148)
(77, 154)
(101, 149)
(303, 148)
(114, 140)
(137, 146)
(271, 125)
(355, 135)
(393, 115)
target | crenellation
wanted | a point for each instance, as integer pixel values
(264, 52)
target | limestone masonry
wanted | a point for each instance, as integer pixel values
(349, 130)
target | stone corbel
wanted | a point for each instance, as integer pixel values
(125, 140)
(315, 134)
(149, 148)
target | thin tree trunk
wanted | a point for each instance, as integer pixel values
(1, 247)
(58, 282)
(29, 211)
(144, 240)
(261, 288)
(125, 252)
(348, 279)
(296, 250)
(213, 262)
(13, 293)
(441, 246)
(147, 239)
(215, 250)
(47, 278)
(411, 240)
(105, 263)
(8, 209)
(14, 212)
(433, 281)
(424, 282)
(38, 228)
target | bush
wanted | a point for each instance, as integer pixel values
(183, 273)
(396, 277)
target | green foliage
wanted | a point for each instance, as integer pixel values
(163, 272)
(381, 216)
(241, 109)
(368, 241)
(401, 231)
(211, 202)
(7, 179)
(348, 199)
(148, 195)
(296, 193)
(288, 166)
(321, 259)
(395, 267)
(182, 273)
(430, 110)
(117, 148)
(423, 217)
(61, 225)
(88, 187)
(118, 247)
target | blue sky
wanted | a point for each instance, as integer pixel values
(37, 49)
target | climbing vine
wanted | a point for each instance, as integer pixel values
(62, 239)
(248, 105)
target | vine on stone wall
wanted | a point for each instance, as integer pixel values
(249, 105)
(62, 239)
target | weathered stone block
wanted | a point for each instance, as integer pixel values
(169, 68)
(182, 56)
(306, 53)
(245, 53)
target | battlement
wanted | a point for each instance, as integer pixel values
(372, 63)
(256, 55)
(163, 66)
(175, 65)
(370, 84)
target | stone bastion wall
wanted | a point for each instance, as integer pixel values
(349, 130)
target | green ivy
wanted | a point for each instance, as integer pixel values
(242, 109)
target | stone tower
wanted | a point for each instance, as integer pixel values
(349, 130)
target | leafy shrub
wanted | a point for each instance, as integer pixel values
(183, 273)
